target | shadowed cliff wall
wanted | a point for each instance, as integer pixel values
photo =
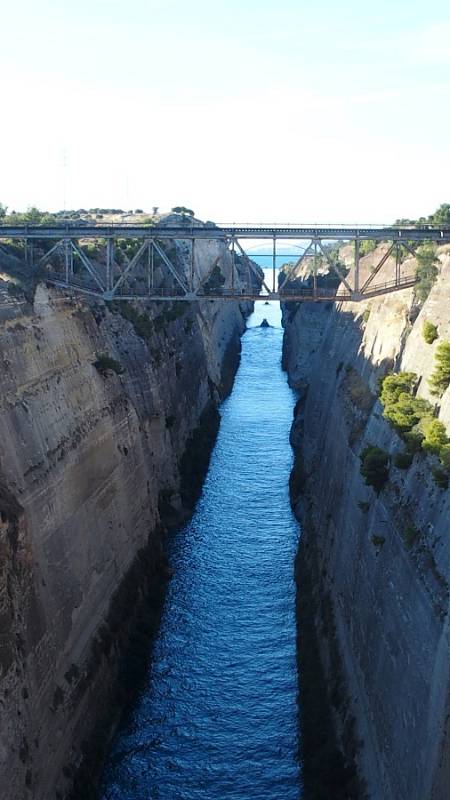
(388, 599)
(92, 467)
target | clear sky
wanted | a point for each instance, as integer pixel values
(249, 110)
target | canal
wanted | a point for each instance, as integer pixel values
(217, 718)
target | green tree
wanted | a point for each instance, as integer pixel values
(427, 271)
(413, 440)
(32, 216)
(394, 384)
(442, 215)
(407, 412)
(403, 459)
(444, 455)
(440, 477)
(374, 467)
(429, 332)
(435, 436)
(183, 210)
(440, 377)
(3, 211)
(367, 246)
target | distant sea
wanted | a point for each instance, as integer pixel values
(285, 254)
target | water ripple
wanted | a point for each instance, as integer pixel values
(218, 718)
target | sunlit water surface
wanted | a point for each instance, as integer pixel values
(217, 719)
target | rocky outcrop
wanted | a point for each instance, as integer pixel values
(380, 563)
(94, 463)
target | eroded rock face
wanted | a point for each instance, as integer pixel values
(389, 598)
(89, 469)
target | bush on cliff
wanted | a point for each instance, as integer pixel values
(141, 323)
(14, 289)
(435, 436)
(413, 417)
(437, 442)
(170, 313)
(403, 459)
(429, 332)
(359, 392)
(427, 271)
(400, 407)
(413, 440)
(440, 477)
(408, 412)
(444, 455)
(375, 467)
(105, 362)
(440, 379)
(394, 384)
(410, 535)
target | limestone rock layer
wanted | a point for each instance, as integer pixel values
(382, 562)
(90, 466)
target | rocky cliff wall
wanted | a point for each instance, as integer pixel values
(380, 595)
(92, 465)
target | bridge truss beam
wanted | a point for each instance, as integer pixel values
(86, 259)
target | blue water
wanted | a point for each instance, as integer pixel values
(217, 719)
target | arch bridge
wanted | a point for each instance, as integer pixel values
(167, 263)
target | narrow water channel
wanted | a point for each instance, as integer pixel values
(217, 719)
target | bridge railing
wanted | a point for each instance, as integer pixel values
(191, 230)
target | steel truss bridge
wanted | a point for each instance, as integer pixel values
(67, 260)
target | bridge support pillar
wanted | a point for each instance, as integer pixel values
(29, 254)
(398, 261)
(192, 269)
(150, 267)
(315, 269)
(274, 264)
(233, 264)
(109, 263)
(357, 265)
(68, 260)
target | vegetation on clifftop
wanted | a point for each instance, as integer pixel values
(439, 217)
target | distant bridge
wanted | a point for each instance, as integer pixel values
(151, 270)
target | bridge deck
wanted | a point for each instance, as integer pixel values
(306, 294)
(130, 231)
